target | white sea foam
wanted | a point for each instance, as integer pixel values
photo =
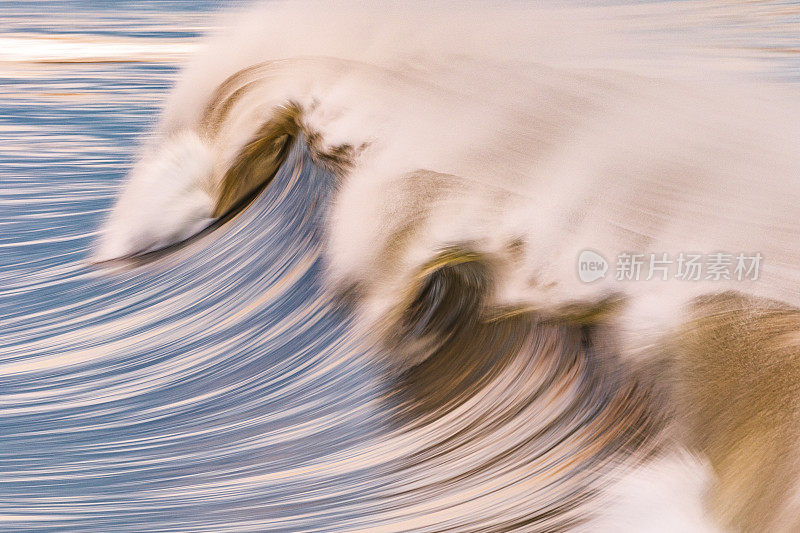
(664, 496)
(168, 198)
(563, 128)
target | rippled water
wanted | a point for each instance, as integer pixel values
(222, 388)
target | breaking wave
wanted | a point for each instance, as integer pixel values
(338, 291)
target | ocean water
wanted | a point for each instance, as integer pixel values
(224, 386)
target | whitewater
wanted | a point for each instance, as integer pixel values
(515, 133)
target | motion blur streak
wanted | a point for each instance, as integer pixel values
(232, 395)
(337, 289)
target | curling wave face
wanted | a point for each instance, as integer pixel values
(353, 302)
(236, 393)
